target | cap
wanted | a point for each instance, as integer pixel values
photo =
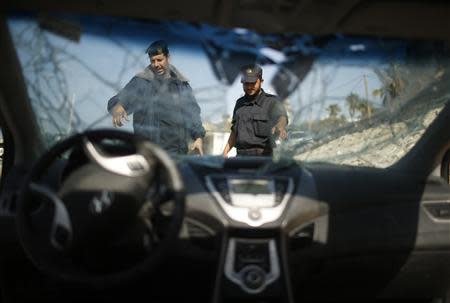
(157, 48)
(251, 73)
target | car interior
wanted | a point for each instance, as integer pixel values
(355, 207)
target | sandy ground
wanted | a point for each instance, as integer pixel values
(378, 146)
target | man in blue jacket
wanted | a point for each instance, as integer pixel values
(162, 103)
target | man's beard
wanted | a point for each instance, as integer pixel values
(251, 97)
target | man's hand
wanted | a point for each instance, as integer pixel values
(198, 145)
(230, 144)
(119, 115)
(280, 127)
(282, 134)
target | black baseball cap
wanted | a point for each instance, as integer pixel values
(157, 48)
(251, 73)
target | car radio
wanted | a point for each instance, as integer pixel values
(254, 201)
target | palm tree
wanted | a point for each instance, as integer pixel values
(352, 103)
(333, 111)
(364, 108)
(393, 83)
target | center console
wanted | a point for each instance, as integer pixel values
(251, 265)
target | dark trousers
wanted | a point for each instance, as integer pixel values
(254, 151)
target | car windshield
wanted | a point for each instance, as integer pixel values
(359, 101)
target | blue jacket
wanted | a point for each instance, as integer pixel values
(164, 110)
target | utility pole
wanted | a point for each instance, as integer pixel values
(71, 109)
(369, 110)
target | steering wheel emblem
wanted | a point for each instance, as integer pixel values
(101, 202)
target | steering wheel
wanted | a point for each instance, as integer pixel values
(102, 224)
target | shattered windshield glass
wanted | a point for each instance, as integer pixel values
(347, 100)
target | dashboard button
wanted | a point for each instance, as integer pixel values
(254, 214)
(253, 277)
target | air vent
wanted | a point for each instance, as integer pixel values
(302, 237)
(198, 230)
(438, 210)
(201, 236)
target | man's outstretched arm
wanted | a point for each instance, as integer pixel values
(194, 122)
(279, 114)
(126, 101)
(193, 110)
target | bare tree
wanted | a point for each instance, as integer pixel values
(44, 61)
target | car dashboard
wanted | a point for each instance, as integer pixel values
(257, 229)
(299, 232)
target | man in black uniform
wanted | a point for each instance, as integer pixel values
(258, 117)
(162, 103)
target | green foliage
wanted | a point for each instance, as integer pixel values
(352, 104)
(333, 111)
(358, 105)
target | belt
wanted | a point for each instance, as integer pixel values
(254, 151)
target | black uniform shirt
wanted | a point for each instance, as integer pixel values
(254, 118)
